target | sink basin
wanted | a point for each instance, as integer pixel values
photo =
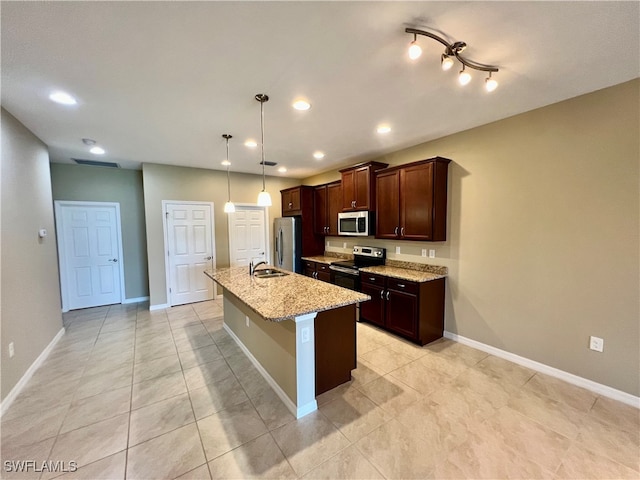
(269, 273)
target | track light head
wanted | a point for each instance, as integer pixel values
(446, 62)
(464, 77)
(414, 49)
(490, 84)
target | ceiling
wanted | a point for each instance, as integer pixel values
(161, 82)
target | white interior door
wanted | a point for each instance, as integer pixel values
(190, 251)
(90, 254)
(247, 236)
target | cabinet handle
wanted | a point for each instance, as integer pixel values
(401, 285)
(353, 204)
(395, 231)
(326, 229)
(381, 294)
(315, 275)
(290, 204)
(387, 294)
(402, 232)
(372, 279)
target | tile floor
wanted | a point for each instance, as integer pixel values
(129, 393)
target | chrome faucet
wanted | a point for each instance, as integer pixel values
(252, 267)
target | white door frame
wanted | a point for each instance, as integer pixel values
(165, 237)
(62, 258)
(267, 234)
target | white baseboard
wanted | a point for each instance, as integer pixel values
(296, 411)
(135, 300)
(15, 391)
(161, 306)
(595, 387)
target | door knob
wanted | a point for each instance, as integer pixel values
(114, 260)
(208, 258)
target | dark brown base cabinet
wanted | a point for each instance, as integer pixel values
(317, 270)
(414, 310)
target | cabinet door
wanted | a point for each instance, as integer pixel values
(295, 200)
(320, 210)
(324, 276)
(334, 201)
(387, 197)
(373, 310)
(363, 188)
(416, 202)
(402, 313)
(348, 190)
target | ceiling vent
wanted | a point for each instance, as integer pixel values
(269, 164)
(95, 163)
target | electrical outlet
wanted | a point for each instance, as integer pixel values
(246, 319)
(304, 334)
(344, 244)
(424, 252)
(12, 351)
(398, 250)
(596, 343)
(432, 254)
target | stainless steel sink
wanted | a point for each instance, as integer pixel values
(269, 273)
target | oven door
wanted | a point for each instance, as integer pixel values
(345, 277)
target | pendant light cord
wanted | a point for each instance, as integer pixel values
(228, 178)
(262, 141)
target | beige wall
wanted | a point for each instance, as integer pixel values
(273, 344)
(30, 299)
(163, 182)
(543, 247)
(100, 184)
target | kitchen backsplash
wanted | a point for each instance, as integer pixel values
(409, 252)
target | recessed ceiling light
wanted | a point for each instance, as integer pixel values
(251, 143)
(62, 98)
(97, 151)
(301, 105)
(226, 163)
(318, 155)
(282, 169)
(384, 129)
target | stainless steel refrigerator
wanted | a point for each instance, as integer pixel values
(288, 243)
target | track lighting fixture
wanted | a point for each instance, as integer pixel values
(446, 60)
(414, 49)
(464, 77)
(264, 199)
(229, 207)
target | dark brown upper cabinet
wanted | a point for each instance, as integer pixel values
(358, 187)
(292, 201)
(327, 204)
(411, 201)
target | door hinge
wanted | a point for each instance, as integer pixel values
(169, 289)
(166, 214)
(168, 254)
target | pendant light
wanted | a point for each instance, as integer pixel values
(229, 207)
(264, 199)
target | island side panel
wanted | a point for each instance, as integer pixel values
(335, 342)
(273, 344)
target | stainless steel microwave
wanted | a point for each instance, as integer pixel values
(355, 223)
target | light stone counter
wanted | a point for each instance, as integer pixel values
(403, 273)
(307, 347)
(323, 259)
(283, 298)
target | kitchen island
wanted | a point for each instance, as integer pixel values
(297, 331)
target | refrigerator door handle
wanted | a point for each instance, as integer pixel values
(281, 258)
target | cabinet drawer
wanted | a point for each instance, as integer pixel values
(321, 267)
(402, 285)
(372, 279)
(310, 265)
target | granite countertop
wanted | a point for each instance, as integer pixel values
(282, 298)
(323, 259)
(403, 273)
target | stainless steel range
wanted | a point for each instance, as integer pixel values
(347, 274)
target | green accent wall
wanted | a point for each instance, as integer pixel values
(102, 184)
